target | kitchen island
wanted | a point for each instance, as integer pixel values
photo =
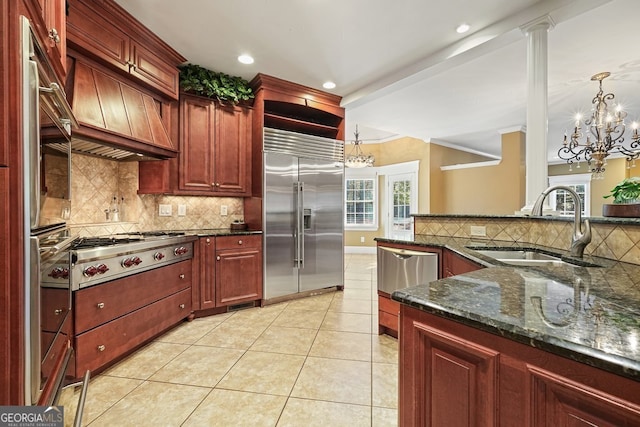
(547, 345)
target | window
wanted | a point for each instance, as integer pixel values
(361, 202)
(562, 202)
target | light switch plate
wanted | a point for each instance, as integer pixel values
(182, 210)
(478, 230)
(164, 210)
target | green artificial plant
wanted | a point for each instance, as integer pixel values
(627, 191)
(222, 87)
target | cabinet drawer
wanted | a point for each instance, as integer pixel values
(389, 321)
(235, 242)
(101, 303)
(105, 343)
(388, 305)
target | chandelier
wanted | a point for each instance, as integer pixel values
(604, 131)
(356, 158)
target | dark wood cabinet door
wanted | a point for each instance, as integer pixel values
(232, 150)
(91, 33)
(55, 19)
(445, 380)
(207, 265)
(238, 270)
(558, 401)
(455, 264)
(196, 145)
(152, 69)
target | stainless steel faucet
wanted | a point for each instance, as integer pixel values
(579, 239)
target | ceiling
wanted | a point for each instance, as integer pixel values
(402, 69)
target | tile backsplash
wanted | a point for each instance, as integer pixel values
(95, 182)
(609, 240)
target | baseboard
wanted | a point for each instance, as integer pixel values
(360, 250)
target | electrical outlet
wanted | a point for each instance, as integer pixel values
(223, 210)
(361, 239)
(182, 210)
(478, 230)
(164, 210)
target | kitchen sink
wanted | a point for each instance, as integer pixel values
(527, 258)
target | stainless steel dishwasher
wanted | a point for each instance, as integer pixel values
(401, 268)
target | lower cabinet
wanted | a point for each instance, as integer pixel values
(455, 375)
(229, 271)
(115, 317)
(454, 264)
(238, 269)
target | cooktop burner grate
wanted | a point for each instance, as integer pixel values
(94, 242)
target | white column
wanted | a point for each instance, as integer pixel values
(536, 140)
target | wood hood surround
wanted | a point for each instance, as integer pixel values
(117, 120)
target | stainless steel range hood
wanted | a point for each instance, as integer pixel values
(116, 120)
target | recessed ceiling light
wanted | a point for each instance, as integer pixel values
(462, 28)
(328, 85)
(245, 59)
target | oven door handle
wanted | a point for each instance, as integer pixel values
(62, 245)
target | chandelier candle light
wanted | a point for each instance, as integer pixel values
(356, 158)
(604, 135)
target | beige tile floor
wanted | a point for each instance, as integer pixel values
(316, 361)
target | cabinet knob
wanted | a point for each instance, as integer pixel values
(217, 184)
(239, 242)
(208, 241)
(181, 276)
(54, 36)
(58, 311)
(101, 347)
(218, 258)
(100, 305)
(181, 306)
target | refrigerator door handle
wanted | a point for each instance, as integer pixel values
(298, 232)
(301, 224)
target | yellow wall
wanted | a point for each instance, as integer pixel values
(616, 171)
(489, 190)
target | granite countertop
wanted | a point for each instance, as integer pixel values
(222, 232)
(588, 314)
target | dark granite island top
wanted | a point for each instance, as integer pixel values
(587, 314)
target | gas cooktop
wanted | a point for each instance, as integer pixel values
(122, 238)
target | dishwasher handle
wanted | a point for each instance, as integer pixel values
(405, 253)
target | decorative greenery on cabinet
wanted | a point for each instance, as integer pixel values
(212, 84)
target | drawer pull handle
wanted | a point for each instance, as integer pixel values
(101, 347)
(100, 305)
(182, 276)
(181, 306)
(58, 311)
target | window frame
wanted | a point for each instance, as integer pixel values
(571, 181)
(362, 174)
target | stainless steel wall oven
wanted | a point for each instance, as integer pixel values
(46, 117)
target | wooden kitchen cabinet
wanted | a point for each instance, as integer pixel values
(453, 374)
(207, 268)
(229, 272)
(113, 318)
(238, 269)
(48, 22)
(103, 30)
(454, 264)
(215, 147)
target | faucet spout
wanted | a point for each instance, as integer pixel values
(580, 238)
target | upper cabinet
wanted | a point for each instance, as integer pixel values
(214, 147)
(103, 30)
(289, 106)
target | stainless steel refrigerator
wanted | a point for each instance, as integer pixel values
(303, 200)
